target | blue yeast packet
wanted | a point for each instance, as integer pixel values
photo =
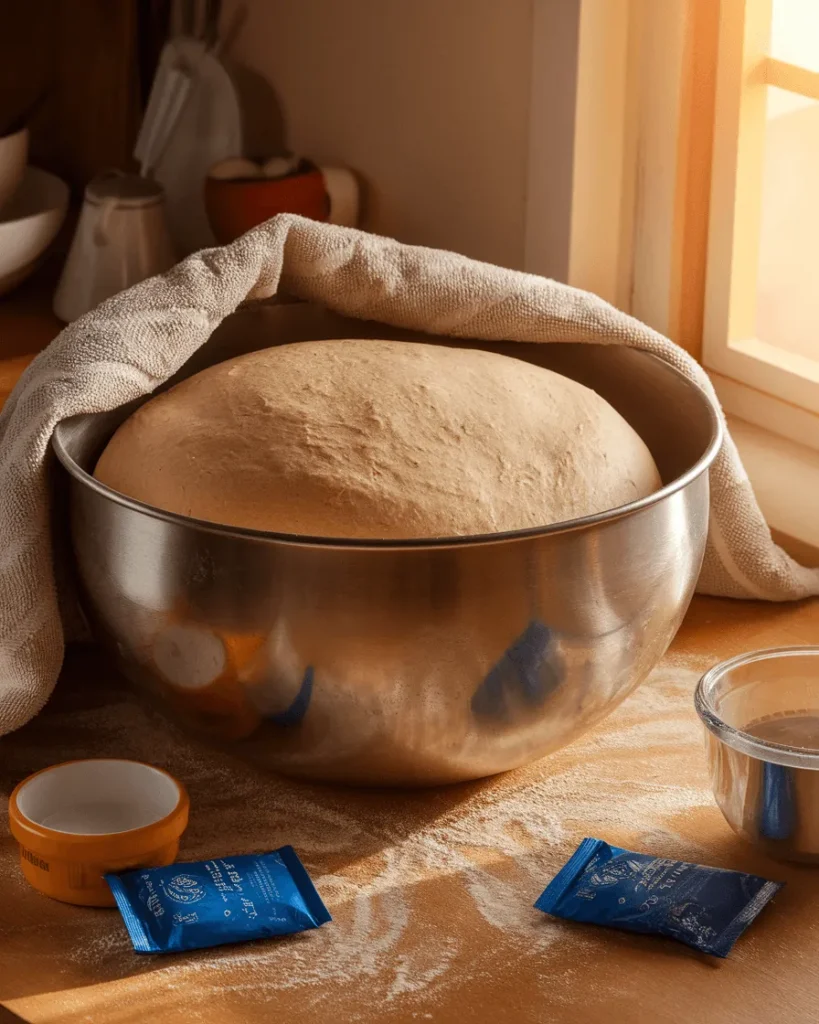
(211, 902)
(707, 908)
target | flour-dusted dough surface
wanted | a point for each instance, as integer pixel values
(379, 439)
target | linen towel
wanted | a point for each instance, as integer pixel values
(136, 340)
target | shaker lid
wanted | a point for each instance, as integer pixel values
(126, 189)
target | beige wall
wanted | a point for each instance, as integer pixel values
(429, 100)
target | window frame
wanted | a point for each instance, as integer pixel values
(648, 110)
(755, 379)
(643, 96)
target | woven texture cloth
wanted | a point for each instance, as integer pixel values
(135, 341)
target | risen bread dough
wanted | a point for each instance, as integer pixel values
(378, 439)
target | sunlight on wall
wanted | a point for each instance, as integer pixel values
(788, 284)
(795, 32)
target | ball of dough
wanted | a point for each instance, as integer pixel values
(379, 439)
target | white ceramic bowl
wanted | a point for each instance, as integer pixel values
(29, 223)
(13, 156)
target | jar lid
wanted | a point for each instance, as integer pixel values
(78, 820)
(125, 189)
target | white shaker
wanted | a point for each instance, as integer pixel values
(121, 239)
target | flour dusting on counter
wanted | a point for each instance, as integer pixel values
(478, 854)
(496, 848)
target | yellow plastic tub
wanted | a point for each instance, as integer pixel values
(78, 820)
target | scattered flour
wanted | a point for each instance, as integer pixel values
(424, 888)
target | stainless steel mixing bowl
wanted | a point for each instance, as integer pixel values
(413, 662)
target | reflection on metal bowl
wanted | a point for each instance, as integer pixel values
(404, 662)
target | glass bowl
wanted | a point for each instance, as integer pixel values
(761, 716)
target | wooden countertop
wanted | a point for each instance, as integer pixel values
(27, 325)
(431, 892)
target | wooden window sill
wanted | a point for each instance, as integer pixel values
(785, 477)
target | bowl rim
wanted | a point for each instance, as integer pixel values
(412, 543)
(738, 739)
(58, 206)
(98, 763)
